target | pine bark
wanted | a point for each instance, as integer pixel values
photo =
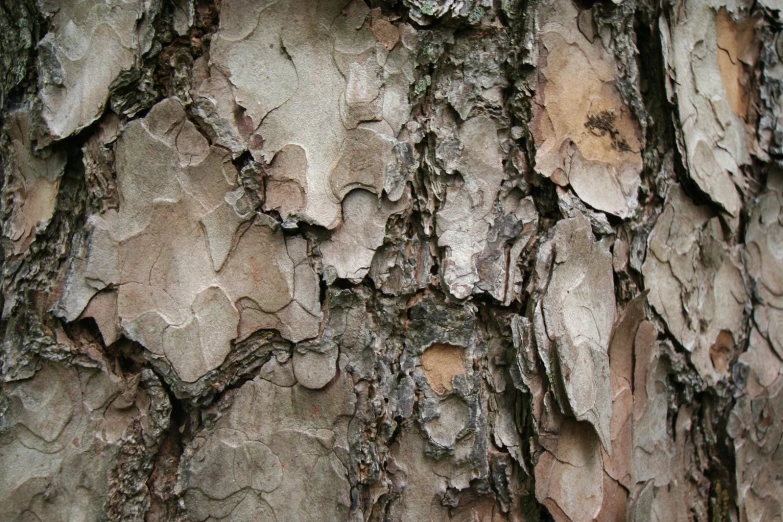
(401, 260)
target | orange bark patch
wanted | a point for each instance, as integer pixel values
(585, 134)
(441, 363)
(737, 46)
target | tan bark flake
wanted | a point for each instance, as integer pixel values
(738, 50)
(441, 363)
(585, 135)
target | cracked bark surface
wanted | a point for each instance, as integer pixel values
(391, 260)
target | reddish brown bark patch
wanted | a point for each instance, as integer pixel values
(441, 363)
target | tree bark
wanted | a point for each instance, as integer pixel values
(402, 260)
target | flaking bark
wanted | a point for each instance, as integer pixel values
(391, 260)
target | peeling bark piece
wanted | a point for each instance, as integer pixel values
(251, 464)
(754, 423)
(287, 183)
(98, 160)
(508, 238)
(289, 465)
(220, 227)
(452, 419)
(569, 479)
(210, 331)
(423, 480)
(89, 45)
(764, 259)
(577, 313)
(571, 206)
(298, 319)
(351, 249)
(694, 280)
(619, 465)
(183, 16)
(713, 134)
(471, 76)
(214, 106)
(652, 448)
(403, 266)
(615, 504)
(585, 135)
(309, 79)
(737, 49)
(278, 372)
(61, 438)
(192, 273)
(527, 364)
(770, 96)
(313, 369)
(349, 328)
(463, 223)
(33, 184)
(761, 364)
(364, 156)
(666, 495)
(755, 426)
(102, 308)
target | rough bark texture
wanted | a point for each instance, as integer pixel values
(402, 260)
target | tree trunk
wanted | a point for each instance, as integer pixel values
(402, 260)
